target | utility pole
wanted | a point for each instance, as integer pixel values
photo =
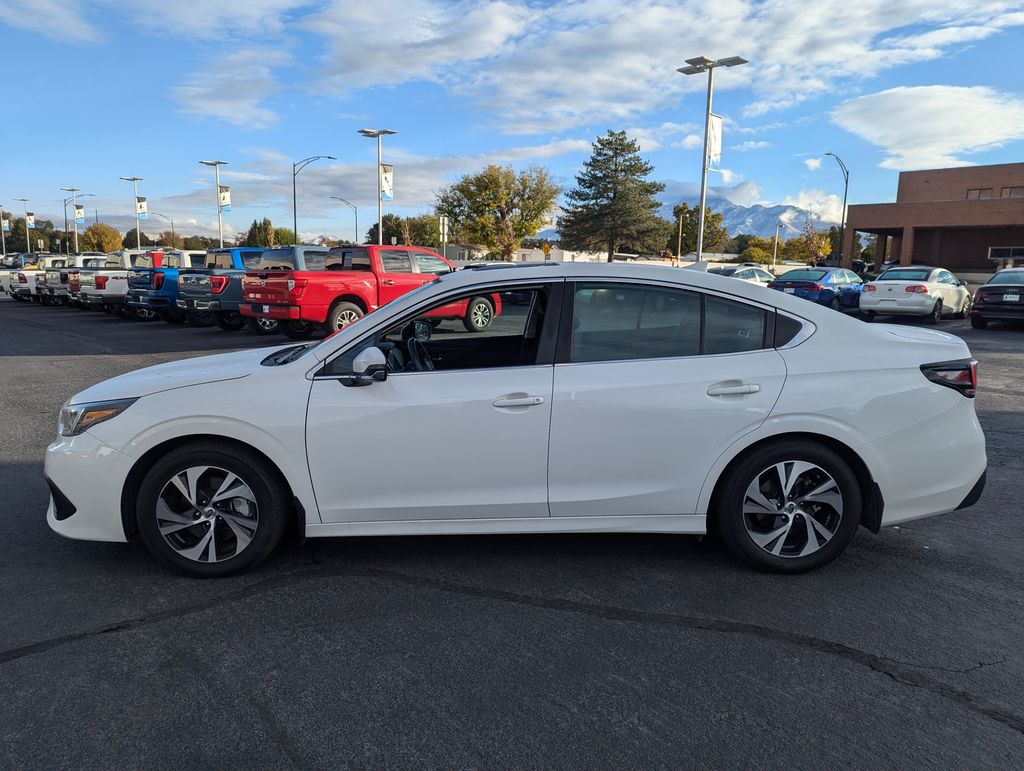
(135, 201)
(846, 189)
(377, 134)
(216, 194)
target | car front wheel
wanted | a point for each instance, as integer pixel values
(229, 321)
(297, 330)
(479, 315)
(789, 507)
(212, 509)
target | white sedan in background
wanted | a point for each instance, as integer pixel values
(749, 273)
(915, 290)
(615, 398)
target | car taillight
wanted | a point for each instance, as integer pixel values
(158, 280)
(816, 288)
(980, 296)
(218, 284)
(101, 282)
(960, 375)
(296, 287)
(916, 289)
(870, 288)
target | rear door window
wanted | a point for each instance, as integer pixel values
(395, 261)
(732, 327)
(349, 258)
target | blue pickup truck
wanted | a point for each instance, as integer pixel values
(212, 293)
(153, 284)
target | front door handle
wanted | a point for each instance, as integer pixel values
(734, 390)
(518, 400)
(388, 282)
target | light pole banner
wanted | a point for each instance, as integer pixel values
(140, 207)
(225, 198)
(715, 143)
(7, 225)
(30, 220)
(79, 214)
(387, 182)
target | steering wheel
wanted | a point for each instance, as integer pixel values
(420, 357)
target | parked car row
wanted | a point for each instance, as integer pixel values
(299, 291)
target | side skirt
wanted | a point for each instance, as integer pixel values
(690, 524)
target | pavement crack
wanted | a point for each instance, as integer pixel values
(953, 670)
(900, 672)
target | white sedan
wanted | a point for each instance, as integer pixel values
(914, 290)
(749, 273)
(613, 398)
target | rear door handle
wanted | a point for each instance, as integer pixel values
(518, 400)
(745, 388)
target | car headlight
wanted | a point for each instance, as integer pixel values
(76, 418)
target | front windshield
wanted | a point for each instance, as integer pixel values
(1008, 277)
(903, 274)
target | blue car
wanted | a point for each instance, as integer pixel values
(153, 284)
(837, 288)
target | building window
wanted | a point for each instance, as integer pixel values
(1013, 192)
(1006, 253)
(977, 193)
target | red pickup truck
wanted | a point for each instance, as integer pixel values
(307, 288)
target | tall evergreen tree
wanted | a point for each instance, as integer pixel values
(613, 205)
(714, 229)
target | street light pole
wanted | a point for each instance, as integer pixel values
(165, 217)
(698, 65)
(28, 243)
(135, 200)
(775, 249)
(3, 235)
(74, 191)
(378, 133)
(846, 189)
(355, 211)
(216, 194)
(296, 168)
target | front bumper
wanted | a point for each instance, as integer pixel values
(279, 312)
(90, 476)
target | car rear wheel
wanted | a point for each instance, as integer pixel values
(479, 315)
(342, 314)
(121, 311)
(298, 330)
(835, 304)
(936, 313)
(978, 323)
(212, 509)
(200, 318)
(867, 315)
(789, 507)
(263, 326)
(229, 321)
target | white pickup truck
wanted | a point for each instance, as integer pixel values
(9, 266)
(53, 284)
(25, 282)
(107, 287)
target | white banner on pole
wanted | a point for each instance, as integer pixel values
(7, 225)
(387, 182)
(225, 198)
(30, 220)
(715, 143)
(140, 207)
(79, 214)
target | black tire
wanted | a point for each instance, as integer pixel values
(171, 316)
(731, 521)
(271, 493)
(965, 310)
(121, 311)
(936, 313)
(868, 316)
(263, 326)
(200, 318)
(342, 314)
(978, 323)
(139, 314)
(229, 321)
(835, 305)
(479, 315)
(297, 330)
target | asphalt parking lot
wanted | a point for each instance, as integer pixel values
(512, 651)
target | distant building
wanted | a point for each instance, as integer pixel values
(966, 219)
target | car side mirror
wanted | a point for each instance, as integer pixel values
(961, 282)
(369, 366)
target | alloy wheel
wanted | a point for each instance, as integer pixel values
(345, 318)
(481, 315)
(207, 514)
(792, 509)
(268, 324)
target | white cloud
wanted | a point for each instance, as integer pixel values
(812, 163)
(691, 142)
(743, 147)
(933, 126)
(827, 207)
(233, 88)
(653, 138)
(745, 193)
(60, 19)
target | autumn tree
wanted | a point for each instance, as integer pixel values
(715, 233)
(171, 239)
(613, 204)
(260, 234)
(499, 207)
(758, 249)
(100, 238)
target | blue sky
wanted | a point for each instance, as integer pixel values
(154, 87)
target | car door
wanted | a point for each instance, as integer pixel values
(653, 385)
(852, 289)
(397, 275)
(952, 292)
(468, 440)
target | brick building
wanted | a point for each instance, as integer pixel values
(966, 219)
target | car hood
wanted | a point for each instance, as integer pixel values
(177, 374)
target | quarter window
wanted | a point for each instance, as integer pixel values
(732, 327)
(314, 259)
(429, 263)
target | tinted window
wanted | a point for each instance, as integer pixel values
(904, 274)
(199, 260)
(349, 258)
(143, 260)
(724, 271)
(251, 260)
(1008, 277)
(395, 261)
(614, 322)
(429, 263)
(732, 327)
(803, 275)
(220, 260)
(277, 259)
(314, 259)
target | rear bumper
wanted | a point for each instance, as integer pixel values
(1001, 312)
(279, 312)
(144, 299)
(910, 305)
(21, 291)
(90, 298)
(198, 304)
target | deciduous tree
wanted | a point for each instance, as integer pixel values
(173, 240)
(99, 237)
(715, 233)
(613, 204)
(129, 241)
